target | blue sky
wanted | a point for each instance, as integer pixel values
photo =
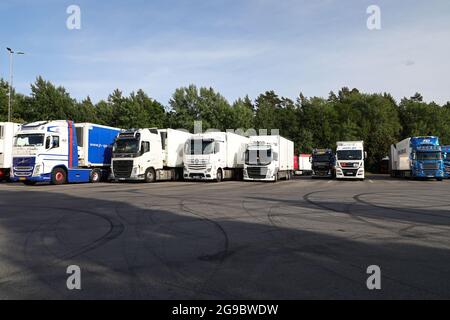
(238, 47)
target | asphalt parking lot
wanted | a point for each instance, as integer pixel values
(300, 239)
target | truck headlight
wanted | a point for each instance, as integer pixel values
(37, 170)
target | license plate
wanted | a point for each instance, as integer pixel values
(22, 179)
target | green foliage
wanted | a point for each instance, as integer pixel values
(313, 122)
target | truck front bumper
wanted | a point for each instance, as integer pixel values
(199, 175)
(429, 175)
(350, 174)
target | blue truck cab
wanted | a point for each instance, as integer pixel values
(62, 152)
(426, 157)
(446, 158)
(418, 157)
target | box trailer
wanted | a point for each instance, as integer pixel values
(7, 132)
(269, 158)
(304, 165)
(62, 152)
(214, 156)
(417, 157)
(149, 155)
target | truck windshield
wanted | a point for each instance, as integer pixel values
(126, 146)
(321, 158)
(29, 140)
(349, 155)
(423, 156)
(261, 157)
(200, 147)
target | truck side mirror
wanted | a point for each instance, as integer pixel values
(310, 159)
(275, 156)
(365, 155)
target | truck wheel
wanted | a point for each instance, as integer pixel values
(59, 176)
(219, 176)
(96, 176)
(277, 177)
(150, 175)
(440, 179)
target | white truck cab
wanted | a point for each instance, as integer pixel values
(149, 155)
(214, 156)
(7, 132)
(269, 158)
(350, 158)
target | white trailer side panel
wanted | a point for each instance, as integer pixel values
(174, 146)
(286, 154)
(304, 163)
(7, 132)
(236, 146)
(400, 155)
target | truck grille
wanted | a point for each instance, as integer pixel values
(23, 174)
(122, 168)
(257, 172)
(431, 166)
(198, 165)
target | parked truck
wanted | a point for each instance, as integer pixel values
(214, 156)
(149, 155)
(7, 132)
(446, 158)
(417, 157)
(350, 156)
(304, 165)
(323, 163)
(269, 158)
(62, 152)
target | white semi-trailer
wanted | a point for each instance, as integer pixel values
(350, 158)
(149, 155)
(7, 132)
(214, 156)
(269, 158)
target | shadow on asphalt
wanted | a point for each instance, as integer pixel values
(176, 250)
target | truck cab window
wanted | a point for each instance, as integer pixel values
(52, 142)
(145, 147)
(217, 147)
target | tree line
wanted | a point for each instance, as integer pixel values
(314, 122)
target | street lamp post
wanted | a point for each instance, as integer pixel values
(11, 78)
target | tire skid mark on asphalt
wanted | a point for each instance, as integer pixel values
(221, 255)
(114, 232)
(359, 199)
(160, 254)
(306, 197)
(143, 212)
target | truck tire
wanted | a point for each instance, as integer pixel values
(440, 179)
(59, 176)
(150, 175)
(96, 176)
(219, 177)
